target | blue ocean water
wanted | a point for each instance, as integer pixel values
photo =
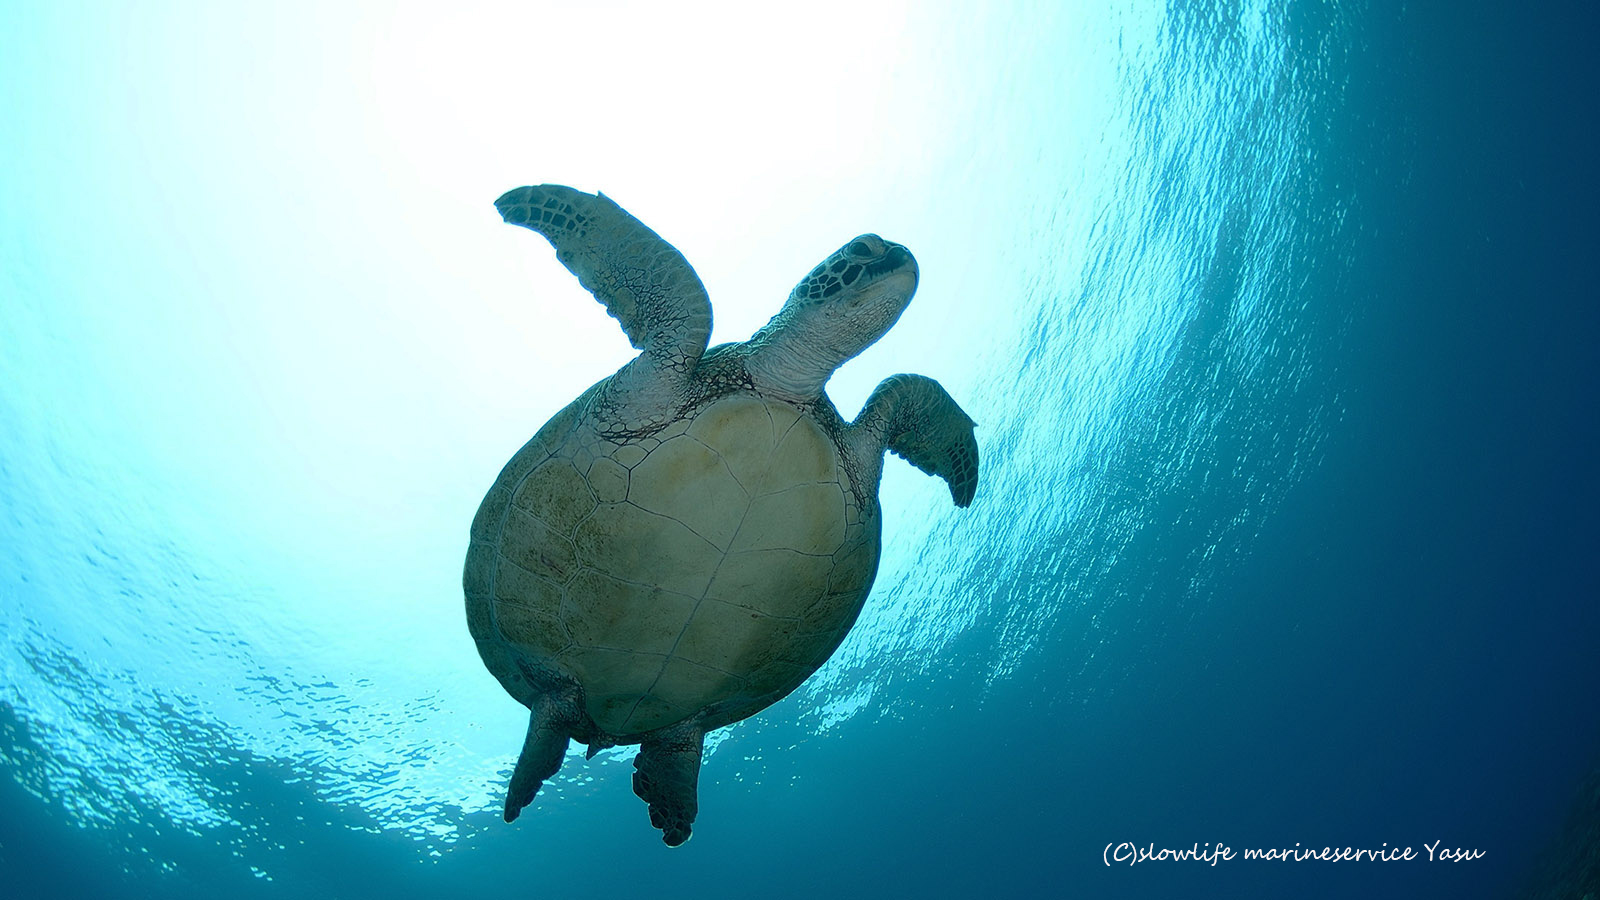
(1273, 318)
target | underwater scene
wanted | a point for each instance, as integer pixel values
(1276, 575)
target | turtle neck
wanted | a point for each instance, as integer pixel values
(791, 358)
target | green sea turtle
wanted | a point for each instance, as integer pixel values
(686, 542)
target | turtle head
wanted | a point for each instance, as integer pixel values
(855, 296)
(838, 310)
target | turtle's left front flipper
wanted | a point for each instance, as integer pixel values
(914, 417)
(644, 282)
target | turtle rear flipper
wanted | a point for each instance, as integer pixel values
(667, 776)
(542, 752)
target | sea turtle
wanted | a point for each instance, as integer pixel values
(686, 542)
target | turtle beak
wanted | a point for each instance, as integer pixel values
(895, 260)
(916, 270)
(899, 259)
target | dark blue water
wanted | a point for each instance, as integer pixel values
(1285, 379)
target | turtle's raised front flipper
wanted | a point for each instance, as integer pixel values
(667, 776)
(913, 416)
(644, 282)
(542, 751)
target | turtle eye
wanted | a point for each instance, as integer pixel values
(859, 248)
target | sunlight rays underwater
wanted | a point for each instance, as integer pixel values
(252, 402)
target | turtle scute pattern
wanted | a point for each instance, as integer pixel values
(712, 565)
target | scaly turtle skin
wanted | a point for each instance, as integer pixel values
(686, 542)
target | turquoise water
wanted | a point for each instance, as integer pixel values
(1266, 314)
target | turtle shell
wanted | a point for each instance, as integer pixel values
(705, 570)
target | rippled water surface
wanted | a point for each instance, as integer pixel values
(265, 344)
